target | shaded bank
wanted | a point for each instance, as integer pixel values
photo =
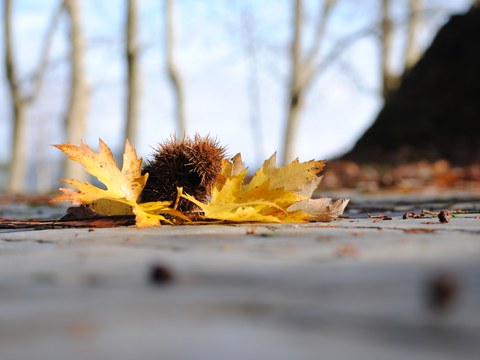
(435, 112)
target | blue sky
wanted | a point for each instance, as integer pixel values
(211, 58)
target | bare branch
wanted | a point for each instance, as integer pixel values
(340, 47)
(349, 72)
(296, 46)
(319, 33)
(47, 43)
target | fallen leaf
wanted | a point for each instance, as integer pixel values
(297, 177)
(324, 209)
(378, 218)
(123, 187)
(428, 212)
(124, 184)
(412, 215)
(79, 213)
(272, 195)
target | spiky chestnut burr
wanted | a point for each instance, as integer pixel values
(189, 163)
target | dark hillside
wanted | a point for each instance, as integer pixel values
(435, 112)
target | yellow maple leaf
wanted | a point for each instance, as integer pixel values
(300, 178)
(272, 195)
(267, 197)
(123, 187)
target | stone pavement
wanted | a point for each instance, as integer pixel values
(349, 289)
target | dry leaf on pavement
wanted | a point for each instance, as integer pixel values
(123, 187)
(272, 195)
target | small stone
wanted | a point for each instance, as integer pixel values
(160, 275)
(442, 291)
(444, 216)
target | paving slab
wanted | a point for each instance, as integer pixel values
(355, 288)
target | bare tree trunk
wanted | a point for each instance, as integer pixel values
(295, 90)
(411, 47)
(18, 165)
(16, 182)
(173, 73)
(303, 70)
(133, 80)
(76, 117)
(19, 161)
(293, 119)
(386, 42)
(253, 86)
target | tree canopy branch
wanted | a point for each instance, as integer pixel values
(47, 44)
(321, 27)
(341, 46)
